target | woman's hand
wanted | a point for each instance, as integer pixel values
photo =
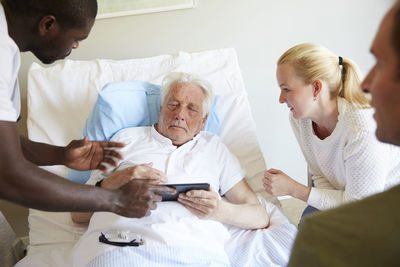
(88, 155)
(143, 172)
(277, 183)
(204, 204)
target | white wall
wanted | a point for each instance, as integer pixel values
(260, 30)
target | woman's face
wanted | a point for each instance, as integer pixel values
(297, 95)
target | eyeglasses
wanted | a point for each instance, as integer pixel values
(132, 243)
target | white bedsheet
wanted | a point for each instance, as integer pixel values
(263, 247)
(267, 247)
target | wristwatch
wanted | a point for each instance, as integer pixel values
(99, 183)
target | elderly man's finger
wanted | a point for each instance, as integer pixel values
(157, 176)
(268, 188)
(154, 173)
(153, 206)
(156, 198)
(265, 180)
(149, 181)
(143, 172)
(207, 202)
(200, 193)
(153, 178)
(162, 189)
(200, 208)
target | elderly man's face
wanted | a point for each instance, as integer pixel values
(383, 82)
(181, 116)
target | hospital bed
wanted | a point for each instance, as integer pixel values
(60, 99)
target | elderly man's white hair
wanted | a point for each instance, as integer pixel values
(182, 77)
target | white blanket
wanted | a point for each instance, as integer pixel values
(266, 247)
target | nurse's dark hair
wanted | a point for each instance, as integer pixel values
(68, 13)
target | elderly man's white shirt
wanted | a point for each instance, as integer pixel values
(203, 159)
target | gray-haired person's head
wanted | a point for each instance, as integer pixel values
(182, 77)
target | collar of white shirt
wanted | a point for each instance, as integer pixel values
(165, 141)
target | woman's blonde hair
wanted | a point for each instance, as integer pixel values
(315, 62)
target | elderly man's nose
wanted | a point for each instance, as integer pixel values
(180, 113)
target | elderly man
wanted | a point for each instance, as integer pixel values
(367, 232)
(191, 230)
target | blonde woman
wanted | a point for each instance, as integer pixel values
(334, 126)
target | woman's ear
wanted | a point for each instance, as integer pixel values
(317, 87)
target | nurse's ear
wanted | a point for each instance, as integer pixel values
(48, 26)
(317, 88)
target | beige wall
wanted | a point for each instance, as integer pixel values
(260, 30)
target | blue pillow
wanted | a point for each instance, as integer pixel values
(128, 104)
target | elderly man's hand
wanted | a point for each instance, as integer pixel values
(143, 172)
(89, 155)
(137, 198)
(203, 203)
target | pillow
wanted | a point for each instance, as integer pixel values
(128, 104)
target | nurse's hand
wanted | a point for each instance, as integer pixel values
(137, 198)
(143, 172)
(89, 155)
(204, 204)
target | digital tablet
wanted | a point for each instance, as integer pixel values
(183, 188)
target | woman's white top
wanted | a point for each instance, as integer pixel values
(349, 164)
